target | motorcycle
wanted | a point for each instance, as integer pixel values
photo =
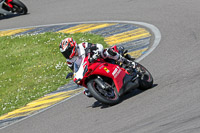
(8, 7)
(108, 80)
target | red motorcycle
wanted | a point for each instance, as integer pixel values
(107, 80)
(8, 7)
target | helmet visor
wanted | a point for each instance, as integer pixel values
(67, 53)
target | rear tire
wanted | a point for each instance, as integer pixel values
(145, 77)
(108, 96)
(19, 7)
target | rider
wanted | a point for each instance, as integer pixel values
(73, 52)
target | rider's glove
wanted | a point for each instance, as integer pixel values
(69, 75)
(95, 56)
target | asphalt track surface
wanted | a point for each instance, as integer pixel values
(172, 106)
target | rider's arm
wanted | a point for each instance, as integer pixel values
(96, 49)
(100, 48)
(93, 47)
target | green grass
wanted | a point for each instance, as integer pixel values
(32, 66)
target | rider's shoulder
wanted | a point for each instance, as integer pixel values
(84, 44)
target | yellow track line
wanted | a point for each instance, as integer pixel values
(12, 32)
(137, 53)
(85, 28)
(40, 104)
(127, 36)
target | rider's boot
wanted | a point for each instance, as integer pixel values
(110, 53)
(131, 66)
(129, 63)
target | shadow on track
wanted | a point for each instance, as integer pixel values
(131, 94)
(2, 17)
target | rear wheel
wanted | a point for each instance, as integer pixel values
(19, 7)
(106, 95)
(145, 77)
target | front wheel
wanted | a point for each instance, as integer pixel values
(145, 77)
(106, 95)
(19, 7)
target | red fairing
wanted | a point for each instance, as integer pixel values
(109, 70)
(9, 4)
(100, 67)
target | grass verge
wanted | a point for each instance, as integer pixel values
(32, 66)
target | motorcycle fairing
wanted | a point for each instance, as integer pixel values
(99, 67)
(79, 71)
(112, 71)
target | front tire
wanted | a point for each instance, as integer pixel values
(107, 96)
(19, 7)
